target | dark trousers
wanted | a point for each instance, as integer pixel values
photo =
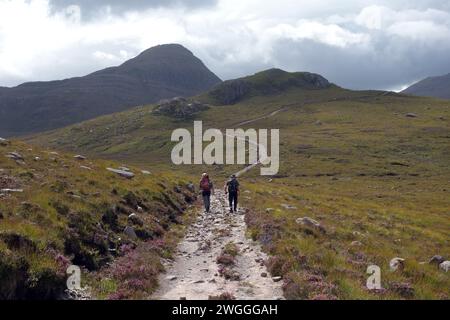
(206, 199)
(233, 199)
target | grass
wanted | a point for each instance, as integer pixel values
(70, 215)
(376, 180)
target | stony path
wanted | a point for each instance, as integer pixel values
(194, 273)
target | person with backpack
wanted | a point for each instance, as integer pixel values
(206, 187)
(232, 189)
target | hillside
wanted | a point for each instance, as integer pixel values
(370, 167)
(437, 87)
(57, 210)
(160, 72)
(269, 82)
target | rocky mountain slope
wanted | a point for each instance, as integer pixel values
(160, 72)
(57, 210)
(269, 82)
(362, 181)
(437, 87)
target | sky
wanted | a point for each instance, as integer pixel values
(357, 44)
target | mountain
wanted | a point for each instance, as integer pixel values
(268, 82)
(358, 170)
(437, 87)
(160, 72)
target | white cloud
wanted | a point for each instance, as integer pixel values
(380, 43)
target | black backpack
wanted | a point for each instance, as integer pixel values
(233, 186)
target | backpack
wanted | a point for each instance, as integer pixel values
(205, 185)
(233, 186)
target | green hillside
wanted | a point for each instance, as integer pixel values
(57, 210)
(371, 167)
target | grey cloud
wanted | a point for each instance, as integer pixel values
(90, 8)
(390, 65)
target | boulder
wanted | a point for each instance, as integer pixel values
(411, 115)
(445, 266)
(11, 190)
(3, 142)
(80, 157)
(129, 231)
(123, 173)
(179, 108)
(437, 260)
(356, 244)
(15, 156)
(288, 206)
(146, 172)
(311, 223)
(397, 264)
(134, 219)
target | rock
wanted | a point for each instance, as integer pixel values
(318, 123)
(129, 231)
(11, 190)
(191, 187)
(277, 279)
(397, 264)
(269, 210)
(437, 260)
(124, 169)
(125, 174)
(411, 115)
(445, 266)
(15, 156)
(146, 172)
(198, 281)
(356, 244)
(85, 168)
(3, 142)
(133, 218)
(179, 108)
(171, 278)
(288, 206)
(231, 91)
(311, 223)
(80, 157)
(264, 275)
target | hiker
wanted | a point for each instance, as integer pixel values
(232, 189)
(206, 187)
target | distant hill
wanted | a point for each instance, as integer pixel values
(438, 87)
(160, 72)
(268, 82)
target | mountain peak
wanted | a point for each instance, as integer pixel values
(164, 51)
(160, 72)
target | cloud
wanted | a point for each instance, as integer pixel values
(357, 43)
(94, 8)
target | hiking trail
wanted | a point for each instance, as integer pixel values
(194, 273)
